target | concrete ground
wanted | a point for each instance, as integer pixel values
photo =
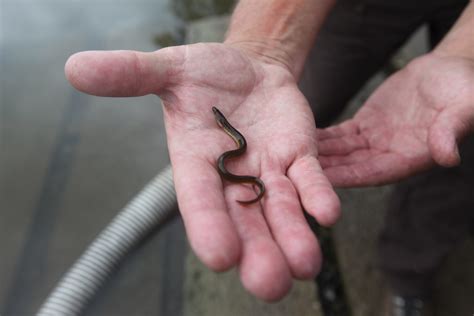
(69, 162)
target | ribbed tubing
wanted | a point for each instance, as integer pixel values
(149, 209)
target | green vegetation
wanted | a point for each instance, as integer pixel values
(190, 10)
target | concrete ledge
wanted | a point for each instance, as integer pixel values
(209, 293)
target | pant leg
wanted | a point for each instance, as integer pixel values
(429, 213)
(356, 40)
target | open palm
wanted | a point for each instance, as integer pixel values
(269, 241)
(412, 121)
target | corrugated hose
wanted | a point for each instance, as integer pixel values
(148, 210)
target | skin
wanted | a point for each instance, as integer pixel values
(413, 120)
(269, 242)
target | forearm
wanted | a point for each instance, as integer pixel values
(460, 39)
(278, 30)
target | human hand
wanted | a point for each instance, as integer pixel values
(412, 121)
(269, 241)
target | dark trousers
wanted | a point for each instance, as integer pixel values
(429, 213)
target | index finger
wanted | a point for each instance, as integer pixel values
(210, 230)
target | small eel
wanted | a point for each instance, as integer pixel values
(242, 146)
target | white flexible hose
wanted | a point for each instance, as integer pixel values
(149, 209)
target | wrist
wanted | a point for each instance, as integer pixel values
(454, 51)
(459, 41)
(452, 54)
(267, 51)
(279, 31)
(428, 64)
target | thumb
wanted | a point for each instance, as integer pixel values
(449, 128)
(123, 73)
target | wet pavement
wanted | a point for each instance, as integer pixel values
(70, 162)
